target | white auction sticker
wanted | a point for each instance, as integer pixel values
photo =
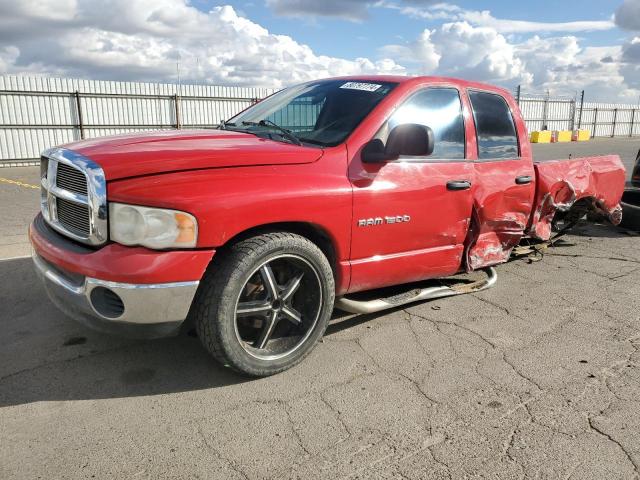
(367, 87)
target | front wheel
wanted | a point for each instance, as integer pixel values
(264, 305)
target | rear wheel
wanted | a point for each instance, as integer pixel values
(264, 305)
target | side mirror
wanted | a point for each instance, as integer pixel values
(410, 139)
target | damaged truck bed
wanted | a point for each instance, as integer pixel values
(596, 183)
(578, 186)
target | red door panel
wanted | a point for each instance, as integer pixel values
(428, 242)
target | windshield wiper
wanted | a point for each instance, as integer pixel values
(288, 134)
(224, 124)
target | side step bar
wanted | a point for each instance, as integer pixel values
(371, 306)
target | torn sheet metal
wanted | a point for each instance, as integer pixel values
(561, 183)
(498, 224)
(501, 211)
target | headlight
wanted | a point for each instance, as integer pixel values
(152, 227)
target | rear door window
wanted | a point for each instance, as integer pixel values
(495, 130)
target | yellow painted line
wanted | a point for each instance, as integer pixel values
(21, 257)
(20, 184)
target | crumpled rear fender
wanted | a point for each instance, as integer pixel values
(562, 183)
(491, 243)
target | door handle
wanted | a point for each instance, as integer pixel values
(458, 185)
(523, 180)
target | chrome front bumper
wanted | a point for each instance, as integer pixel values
(148, 310)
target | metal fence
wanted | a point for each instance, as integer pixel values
(38, 112)
(544, 112)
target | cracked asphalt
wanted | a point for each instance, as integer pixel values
(537, 377)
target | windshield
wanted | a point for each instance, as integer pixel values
(322, 113)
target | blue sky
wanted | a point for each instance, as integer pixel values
(340, 37)
(560, 47)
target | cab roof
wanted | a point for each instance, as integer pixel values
(408, 81)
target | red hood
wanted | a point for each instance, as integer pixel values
(168, 151)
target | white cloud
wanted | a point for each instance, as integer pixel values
(422, 53)
(358, 10)
(55, 10)
(544, 57)
(627, 15)
(631, 62)
(462, 50)
(354, 10)
(485, 19)
(479, 46)
(8, 56)
(444, 11)
(439, 11)
(347, 9)
(559, 64)
(631, 75)
(476, 52)
(567, 68)
(141, 40)
(631, 51)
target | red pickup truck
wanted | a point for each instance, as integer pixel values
(256, 230)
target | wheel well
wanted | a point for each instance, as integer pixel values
(580, 208)
(312, 232)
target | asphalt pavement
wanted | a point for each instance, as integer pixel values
(537, 377)
(19, 203)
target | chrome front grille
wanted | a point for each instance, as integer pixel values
(71, 179)
(73, 216)
(73, 196)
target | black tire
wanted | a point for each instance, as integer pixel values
(631, 210)
(217, 306)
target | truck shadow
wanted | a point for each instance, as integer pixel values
(601, 230)
(45, 356)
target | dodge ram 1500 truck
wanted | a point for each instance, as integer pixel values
(256, 230)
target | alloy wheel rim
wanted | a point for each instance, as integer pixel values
(278, 307)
